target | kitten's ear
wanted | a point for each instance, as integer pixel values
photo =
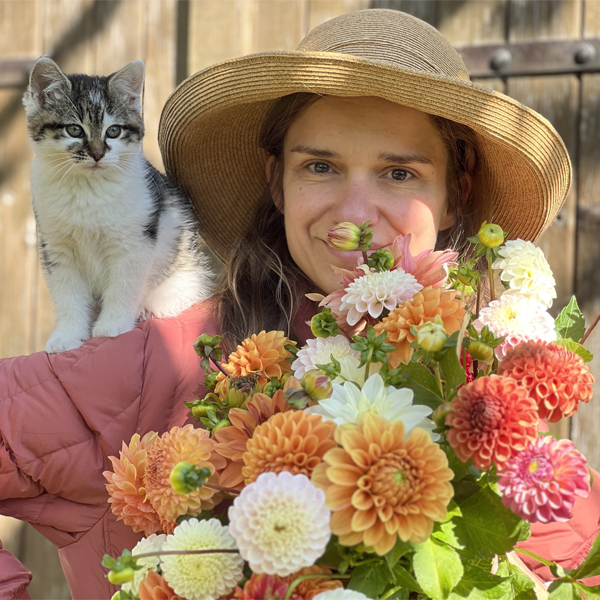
(129, 82)
(46, 82)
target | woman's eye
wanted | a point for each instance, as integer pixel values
(320, 168)
(114, 131)
(400, 174)
(75, 131)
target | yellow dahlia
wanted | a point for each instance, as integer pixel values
(381, 486)
(293, 441)
(264, 353)
(178, 445)
(126, 486)
(423, 308)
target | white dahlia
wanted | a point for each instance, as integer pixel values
(340, 594)
(347, 403)
(152, 543)
(526, 270)
(201, 576)
(319, 352)
(375, 292)
(519, 319)
(280, 523)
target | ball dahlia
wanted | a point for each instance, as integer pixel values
(340, 594)
(152, 543)
(280, 523)
(381, 485)
(556, 378)
(202, 576)
(231, 441)
(126, 489)
(423, 308)
(181, 444)
(154, 587)
(264, 353)
(542, 482)
(492, 419)
(294, 441)
(518, 319)
(318, 351)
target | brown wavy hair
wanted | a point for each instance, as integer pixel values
(262, 287)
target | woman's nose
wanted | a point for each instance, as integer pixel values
(355, 202)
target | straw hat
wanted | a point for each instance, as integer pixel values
(210, 125)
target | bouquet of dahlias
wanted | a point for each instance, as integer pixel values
(397, 455)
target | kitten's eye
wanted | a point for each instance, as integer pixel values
(75, 131)
(114, 131)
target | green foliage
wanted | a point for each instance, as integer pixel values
(563, 590)
(570, 323)
(373, 347)
(452, 370)
(207, 346)
(332, 370)
(438, 568)
(370, 579)
(397, 552)
(521, 586)
(381, 260)
(423, 383)
(478, 583)
(323, 324)
(577, 348)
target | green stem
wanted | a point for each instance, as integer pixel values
(368, 363)
(173, 552)
(462, 293)
(439, 378)
(491, 275)
(538, 558)
(218, 365)
(390, 592)
(591, 328)
(302, 578)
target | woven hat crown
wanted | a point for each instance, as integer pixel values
(390, 36)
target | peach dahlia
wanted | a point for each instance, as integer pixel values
(381, 486)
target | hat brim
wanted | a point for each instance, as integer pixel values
(209, 132)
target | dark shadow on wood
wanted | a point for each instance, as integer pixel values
(182, 47)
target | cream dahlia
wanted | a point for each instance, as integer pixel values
(153, 543)
(340, 594)
(542, 482)
(526, 270)
(348, 403)
(319, 351)
(375, 292)
(280, 523)
(202, 576)
(519, 319)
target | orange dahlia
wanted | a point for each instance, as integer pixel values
(154, 587)
(263, 586)
(232, 440)
(179, 445)
(292, 441)
(263, 353)
(423, 308)
(492, 419)
(556, 378)
(381, 486)
(309, 588)
(126, 486)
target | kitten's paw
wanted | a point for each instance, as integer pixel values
(112, 328)
(61, 341)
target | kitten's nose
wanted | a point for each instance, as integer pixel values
(96, 150)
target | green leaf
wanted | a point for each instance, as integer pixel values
(478, 583)
(438, 568)
(423, 383)
(570, 323)
(591, 565)
(109, 562)
(562, 590)
(486, 527)
(522, 587)
(577, 348)
(405, 579)
(370, 579)
(397, 552)
(332, 557)
(591, 593)
(454, 374)
(459, 468)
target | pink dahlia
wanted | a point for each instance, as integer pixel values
(541, 483)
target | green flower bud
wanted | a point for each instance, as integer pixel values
(491, 235)
(121, 576)
(240, 389)
(344, 236)
(480, 351)
(381, 260)
(439, 414)
(180, 478)
(316, 385)
(432, 337)
(323, 324)
(201, 410)
(222, 423)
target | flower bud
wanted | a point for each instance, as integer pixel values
(491, 235)
(324, 324)
(316, 385)
(240, 389)
(432, 337)
(180, 478)
(201, 410)
(439, 414)
(381, 260)
(480, 351)
(344, 236)
(222, 423)
(121, 576)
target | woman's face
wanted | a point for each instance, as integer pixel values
(361, 159)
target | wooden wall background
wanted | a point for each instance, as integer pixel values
(178, 37)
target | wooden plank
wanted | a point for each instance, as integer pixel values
(474, 22)
(426, 11)
(587, 282)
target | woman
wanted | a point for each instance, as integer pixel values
(373, 118)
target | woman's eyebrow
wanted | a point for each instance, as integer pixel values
(302, 149)
(405, 158)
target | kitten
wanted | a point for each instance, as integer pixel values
(116, 238)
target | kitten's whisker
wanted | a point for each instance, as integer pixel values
(58, 169)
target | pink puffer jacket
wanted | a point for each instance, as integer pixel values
(62, 415)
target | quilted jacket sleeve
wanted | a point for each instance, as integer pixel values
(14, 578)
